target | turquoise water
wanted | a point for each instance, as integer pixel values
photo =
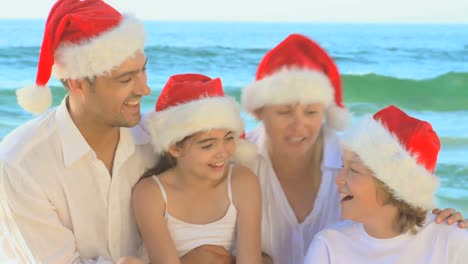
(421, 68)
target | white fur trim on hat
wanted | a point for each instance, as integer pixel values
(291, 85)
(35, 99)
(246, 153)
(382, 152)
(175, 123)
(101, 54)
(286, 86)
(338, 117)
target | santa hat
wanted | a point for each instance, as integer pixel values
(298, 70)
(82, 39)
(192, 103)
(401, 151)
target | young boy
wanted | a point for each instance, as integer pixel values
(387, 187)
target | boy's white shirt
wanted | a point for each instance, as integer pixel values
(348, 242)
(62, 198)
(283, 238)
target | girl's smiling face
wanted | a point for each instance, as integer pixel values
(205, 154)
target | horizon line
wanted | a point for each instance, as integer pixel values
(280, 21)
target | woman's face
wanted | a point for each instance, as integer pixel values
(292, 128)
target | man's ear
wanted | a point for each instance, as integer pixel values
(78, 86)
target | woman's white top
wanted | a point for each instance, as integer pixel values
(283, 237)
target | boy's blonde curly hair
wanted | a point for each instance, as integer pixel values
(409, 218)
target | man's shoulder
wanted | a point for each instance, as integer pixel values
(140, 133)
(27, 137)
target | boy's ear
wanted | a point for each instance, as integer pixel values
(175, 150)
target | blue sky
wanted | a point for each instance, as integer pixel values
(414, 11)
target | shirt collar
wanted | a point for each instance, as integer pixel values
(138, 134)
(74, 145)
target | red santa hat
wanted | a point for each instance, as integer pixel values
(192, 103)
(298, 70)
(401, 151)
(82, 39)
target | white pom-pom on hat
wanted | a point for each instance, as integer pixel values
(34, 98)
(82, 39)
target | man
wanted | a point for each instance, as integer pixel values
(67, 175)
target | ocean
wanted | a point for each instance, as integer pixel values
(422, 68)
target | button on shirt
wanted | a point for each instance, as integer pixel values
(283, 237)
(63, 199)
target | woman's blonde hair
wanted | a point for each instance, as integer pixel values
(317, 156)
(409, 217)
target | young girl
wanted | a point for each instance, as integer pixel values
(195, 196)
(387, 187)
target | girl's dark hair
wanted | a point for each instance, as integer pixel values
(166, 162)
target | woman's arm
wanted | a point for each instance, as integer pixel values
(247, 200)
(149, 207)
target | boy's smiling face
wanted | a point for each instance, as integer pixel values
(358, 189)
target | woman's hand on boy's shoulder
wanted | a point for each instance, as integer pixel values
(450, 216)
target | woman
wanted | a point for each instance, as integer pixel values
(297, 97)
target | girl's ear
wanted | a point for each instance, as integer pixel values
(175, 150)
